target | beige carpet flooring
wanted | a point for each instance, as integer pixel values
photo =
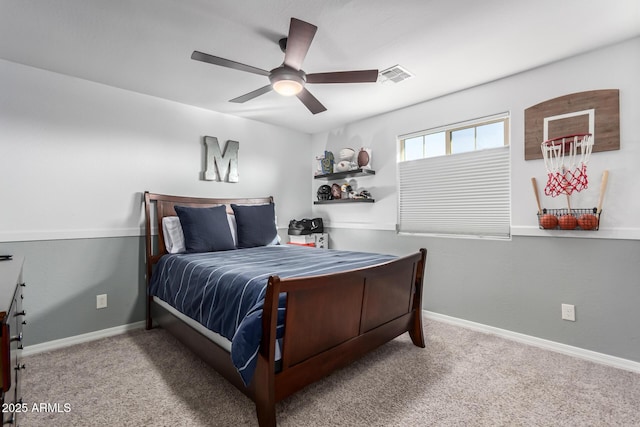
(462, 378)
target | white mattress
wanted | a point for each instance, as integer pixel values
(213, 336)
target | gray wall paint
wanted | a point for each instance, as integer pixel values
(519, 285)
(63, 278)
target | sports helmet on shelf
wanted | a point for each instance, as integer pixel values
(324, 192)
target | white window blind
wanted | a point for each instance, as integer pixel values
(461, 194)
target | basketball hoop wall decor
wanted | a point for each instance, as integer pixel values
(564, 131)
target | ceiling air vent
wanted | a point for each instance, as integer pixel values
(395, 74)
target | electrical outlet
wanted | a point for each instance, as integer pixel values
(569, 312)
(101, 301)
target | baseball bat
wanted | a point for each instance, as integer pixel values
(603, 187)
(535, 191)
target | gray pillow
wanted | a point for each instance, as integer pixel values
(256, 225)
(205, 229)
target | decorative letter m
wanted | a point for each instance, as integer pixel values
(221, 166)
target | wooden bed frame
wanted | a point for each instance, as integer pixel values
(331, 320)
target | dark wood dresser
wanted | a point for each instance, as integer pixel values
(12, 317)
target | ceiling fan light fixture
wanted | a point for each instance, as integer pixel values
(289, 79)
(286, 81)
(287, 87)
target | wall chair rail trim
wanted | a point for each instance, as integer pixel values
(39, 235)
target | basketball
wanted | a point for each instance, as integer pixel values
(588, 222)
(548, 221)
(568, 222)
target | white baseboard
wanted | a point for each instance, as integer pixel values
(569, 350)
(578, 352)
(79, 339)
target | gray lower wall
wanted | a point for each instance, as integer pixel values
(63, 278)
(516, 285)
(519, 285)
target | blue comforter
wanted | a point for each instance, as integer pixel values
(224, 291)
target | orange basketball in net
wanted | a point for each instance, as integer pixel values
(548, 221)
(568, 222)
(588, 222)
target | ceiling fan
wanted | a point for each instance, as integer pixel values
(288, 79)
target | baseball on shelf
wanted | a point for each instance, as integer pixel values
(568, 222)
(548, 221)
(588, 221)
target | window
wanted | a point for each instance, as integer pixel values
(455, 180)
(455, 139)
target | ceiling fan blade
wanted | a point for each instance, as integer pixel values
(215, 60)
(311, 102)
(249, 96)
(361, 76)
(298, 42)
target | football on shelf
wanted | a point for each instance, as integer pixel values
(347, 154)
(342, 166)
(363, 158)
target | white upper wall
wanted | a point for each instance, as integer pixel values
(77, 155)
(615, 67)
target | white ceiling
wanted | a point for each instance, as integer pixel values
(145, 46)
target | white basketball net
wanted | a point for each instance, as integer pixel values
(566, 159)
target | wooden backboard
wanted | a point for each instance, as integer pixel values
(596, 112)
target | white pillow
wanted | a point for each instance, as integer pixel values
(277, 235)
(173, 236)
(234, 228)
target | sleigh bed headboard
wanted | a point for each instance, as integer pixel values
(158, 206)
